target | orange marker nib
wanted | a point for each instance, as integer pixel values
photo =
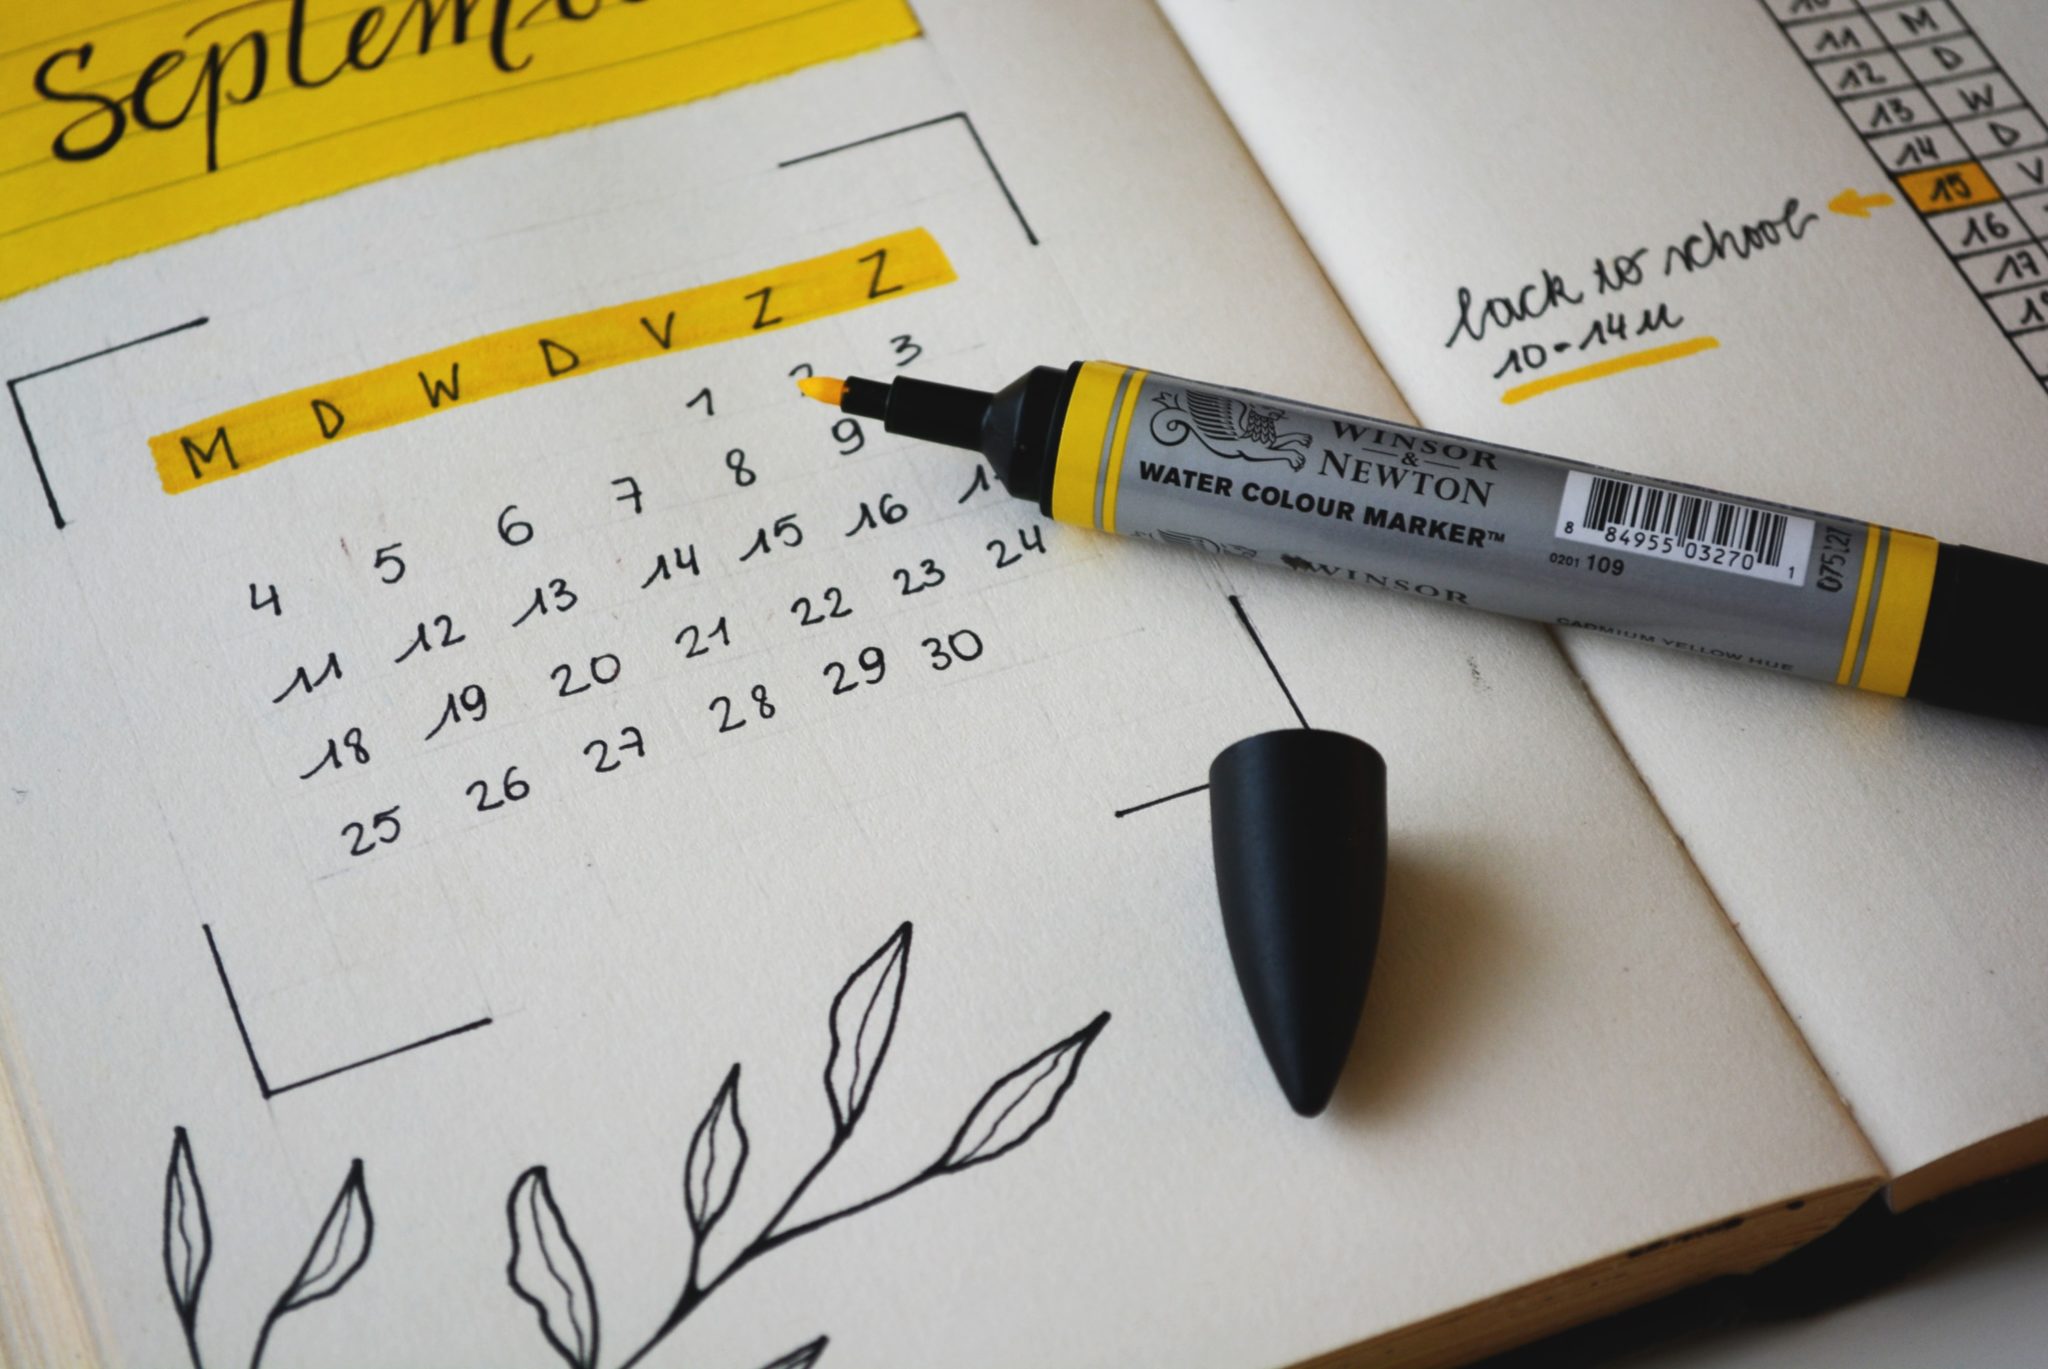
(824, 389)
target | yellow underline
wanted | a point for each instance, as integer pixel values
(1649, 356)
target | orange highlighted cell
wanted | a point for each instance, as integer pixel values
(1966, 185)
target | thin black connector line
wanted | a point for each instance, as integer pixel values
(1267, 657)
(979, 146)
(15, 383)
(263, 1084)
(1245, 621)
(1154, 803)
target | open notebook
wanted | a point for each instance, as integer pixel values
(597, 860)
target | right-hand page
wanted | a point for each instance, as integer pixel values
(1792, 249)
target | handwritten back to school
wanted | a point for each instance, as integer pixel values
(131, 124)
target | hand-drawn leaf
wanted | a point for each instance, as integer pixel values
(718, 1152)
(338, 1251)
(803, 1357)
(1020, 1102)
(547, 1270)
(188, 1235)
(863, 1020)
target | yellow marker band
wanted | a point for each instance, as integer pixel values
(1901, 615)
(1113, 475)
(254, 107)
(1872, 540)
(209, 450)
(1085, 440)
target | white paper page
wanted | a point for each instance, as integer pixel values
(1885, 862)
(1555, 1066)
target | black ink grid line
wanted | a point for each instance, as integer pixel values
(1245, 620)
(263, 1083)
(979, 146)
(15, 383)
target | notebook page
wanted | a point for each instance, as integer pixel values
(570, 812)
(1883, 862)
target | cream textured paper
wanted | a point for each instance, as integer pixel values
(1566, 1054)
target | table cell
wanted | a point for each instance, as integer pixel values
(1891, 111)
(1862, 72)
(2021, 310)
(1939, 189)
(1947, 60)
(1968, 96)
(2014, 268)
(1987, 228)
(1918, 21)
(1992, 135)
(1849, 35)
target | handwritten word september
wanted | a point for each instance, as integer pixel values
(239, 70)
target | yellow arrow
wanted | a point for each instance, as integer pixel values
(1858, 206)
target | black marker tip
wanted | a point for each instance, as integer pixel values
(1298, 820)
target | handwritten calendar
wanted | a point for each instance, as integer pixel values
(486, 760)
(762, 580)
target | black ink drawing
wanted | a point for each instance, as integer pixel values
(263, 1084)
(338, 1251)
(547, 1269)
(1244, 620)
(1224, 425)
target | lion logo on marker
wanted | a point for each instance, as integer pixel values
(1224, 425)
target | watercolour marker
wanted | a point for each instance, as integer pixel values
(1349, 497)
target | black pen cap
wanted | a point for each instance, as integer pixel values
(1299, 824)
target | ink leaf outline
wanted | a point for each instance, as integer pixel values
(1018, 1104)
(803, 1357)
(547, 1270)
(718, 1154)
(338, 1250)
(185, 1258)
(863, 1022)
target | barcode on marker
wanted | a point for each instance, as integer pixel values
(1632, 518)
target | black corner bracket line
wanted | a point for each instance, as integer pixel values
(966, 122)
(14, 384)
(263, 1084)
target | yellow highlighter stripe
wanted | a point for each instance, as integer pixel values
(1872, 540)
(255, 107)
(1078, 467)
(1115, 474)
(208, 450)
(1901, 616)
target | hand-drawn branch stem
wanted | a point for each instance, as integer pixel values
(771, 1235)
(863, 1022)
(262, 1339)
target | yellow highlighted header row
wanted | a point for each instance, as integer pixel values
(131, 124)
(210, 450)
